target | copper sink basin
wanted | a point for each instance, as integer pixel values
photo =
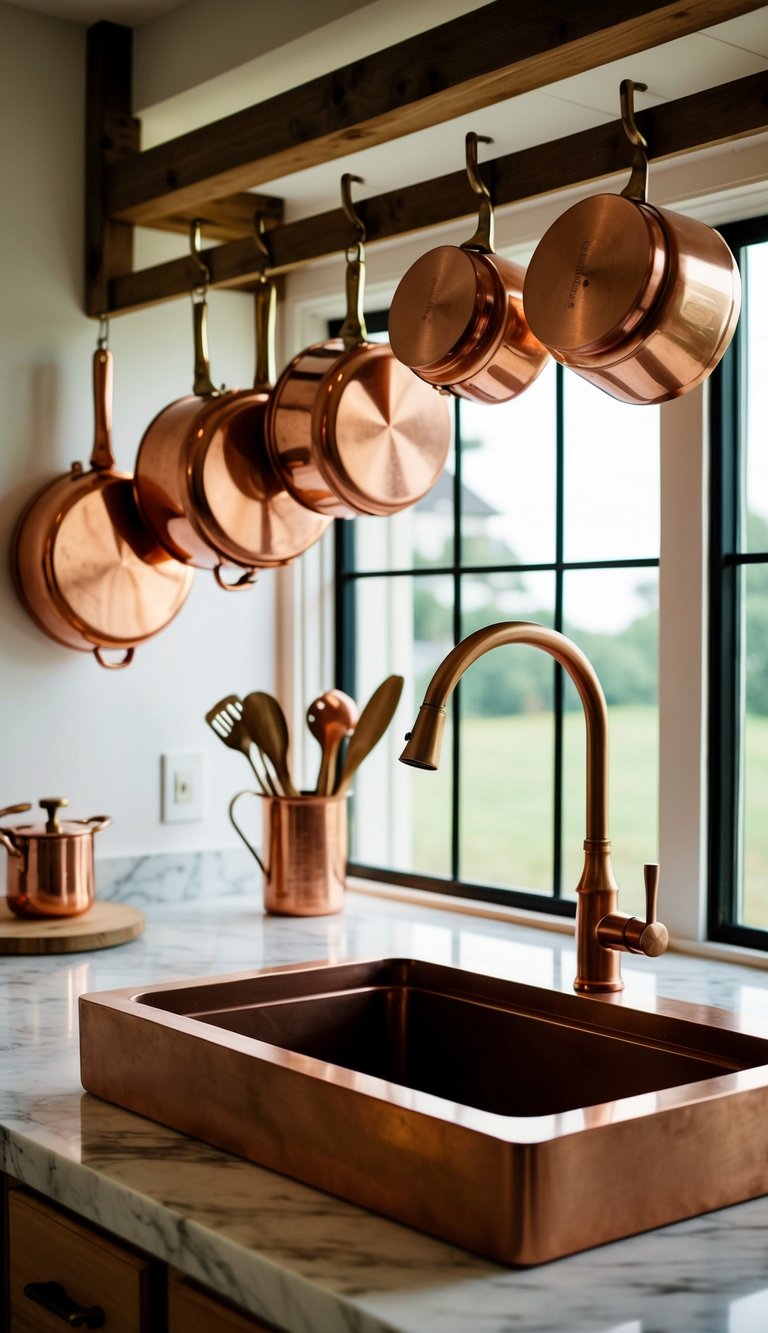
(522, 1123)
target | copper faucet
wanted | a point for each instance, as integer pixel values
(602, 932)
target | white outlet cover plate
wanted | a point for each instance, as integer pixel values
(182, 787)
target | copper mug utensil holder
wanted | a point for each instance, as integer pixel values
(303, 852)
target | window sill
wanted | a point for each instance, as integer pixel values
(440, 902)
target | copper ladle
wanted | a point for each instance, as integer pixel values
(330, 718)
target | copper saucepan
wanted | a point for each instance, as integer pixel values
(640, 301)
(50, 865)
(350, 430)
(204, 479)
(457, 317)
(86, 568)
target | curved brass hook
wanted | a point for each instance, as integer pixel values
(637, 185)
(627, 99)
(475, 179)
(261, 245)
(483, 237)
(350, 211)
(195, 236)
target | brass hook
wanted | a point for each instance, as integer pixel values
(627, 99)
(637, 185)
(195, 236)
(262, 246)
(350, 212)
(102, 340)
(475, 179)
(483, 237)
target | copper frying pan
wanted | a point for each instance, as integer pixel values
(204, 480)
(86, 569)
(457, 317)
(636, 299)
(350, 430)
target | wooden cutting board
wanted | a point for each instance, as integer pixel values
(101, 927)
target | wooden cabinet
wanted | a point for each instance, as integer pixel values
(61, 1271)
(58, 1272)
(192, 1310)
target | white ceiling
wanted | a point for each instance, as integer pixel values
(129, 12)
(195, 62)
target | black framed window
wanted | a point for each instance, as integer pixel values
(548, 510)
(738, 769)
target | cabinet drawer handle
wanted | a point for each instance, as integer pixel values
(54, 1299)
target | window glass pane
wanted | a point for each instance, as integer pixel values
(507, 741)
(754, 334)
(754, 853)
(611, 476)
(612, 615)
(401, 817)
(508, 462)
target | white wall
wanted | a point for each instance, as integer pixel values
(68, 727)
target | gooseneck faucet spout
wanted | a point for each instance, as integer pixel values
(602, 932)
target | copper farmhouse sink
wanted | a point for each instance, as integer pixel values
(522, 1123)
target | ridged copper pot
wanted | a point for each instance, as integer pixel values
(350, 430)
(204, 479)
(87, 569)
(50, 865)
(457, 318)
(640, 301)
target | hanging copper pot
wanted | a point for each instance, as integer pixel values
(86, 568)
(457, 317)
(50, 865)
(349, 429)
(204, 479)
(640, 301)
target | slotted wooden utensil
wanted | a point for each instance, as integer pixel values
(269, 729)
(373, 722)
(226, 720)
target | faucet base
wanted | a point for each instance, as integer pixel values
(597, 987)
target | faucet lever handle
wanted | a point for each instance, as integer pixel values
(631, 934)
(651, 879)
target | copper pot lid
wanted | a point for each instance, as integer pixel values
(594, 275)
(247, 514)
(436, 306)
(383, 433)
(55, 827)
(107, 569)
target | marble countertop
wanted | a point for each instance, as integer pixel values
(301, 1259)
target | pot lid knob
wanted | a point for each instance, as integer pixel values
(51, 805)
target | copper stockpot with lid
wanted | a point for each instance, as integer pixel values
(50, 865)
(457, 316)
(349, 429)
(640, 301)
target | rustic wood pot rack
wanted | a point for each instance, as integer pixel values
(487, 56)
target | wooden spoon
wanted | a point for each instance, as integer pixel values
(269, 729)
(374, 720)
(330, 718)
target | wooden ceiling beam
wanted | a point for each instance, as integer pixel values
(730, 111)
(484, 57)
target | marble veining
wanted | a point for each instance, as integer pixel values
(301, 1259)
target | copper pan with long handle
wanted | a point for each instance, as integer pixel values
(640, 301)
(86, 568)
(204, 479)
(350, 430)
(457, 316)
